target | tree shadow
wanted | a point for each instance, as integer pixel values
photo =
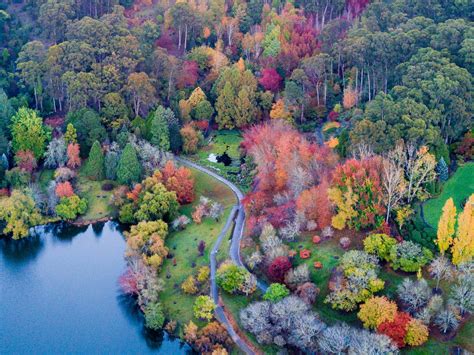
(22, 251)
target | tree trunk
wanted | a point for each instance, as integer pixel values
(185, 37)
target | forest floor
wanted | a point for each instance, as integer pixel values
(183, 246)
(459, 186)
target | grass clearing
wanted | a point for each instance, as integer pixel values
(459, 186)
(98, 201)
(183, 246)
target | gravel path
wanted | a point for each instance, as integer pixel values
(236, 218)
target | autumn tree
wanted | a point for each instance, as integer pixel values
(25, 160)
(19, 214)
(140, 91)
(64, 189)
(203, 308)
(73, 158)
(179, 180)
(191, 139)
(446, 226)
(270, 79)
(377, 310)
(463, 243)
(357, 193)
(70, 137)
(280, 112)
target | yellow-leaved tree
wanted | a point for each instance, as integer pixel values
(446, 226)
(463, 244)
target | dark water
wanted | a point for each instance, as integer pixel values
(59, 294)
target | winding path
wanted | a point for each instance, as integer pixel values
(236, 217)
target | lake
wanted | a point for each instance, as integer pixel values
(59, 293)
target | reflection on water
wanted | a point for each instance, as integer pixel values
(59, 294)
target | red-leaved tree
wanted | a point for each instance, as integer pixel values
(25, 160)
(396, 329)
(73, 158)
(179, 180)
(64, 189)
(270, 79)
(278, 268)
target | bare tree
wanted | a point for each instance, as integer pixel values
(393, 182)
(440, 269)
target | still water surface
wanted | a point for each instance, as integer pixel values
(59, 294)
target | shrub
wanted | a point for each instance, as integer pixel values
(278, 268)
(154, 316)
(409, 256)
(276, 292)
(204, 307)
(307, 292)
(64, 189)
(417, 333)
(380, 245)
(107, 186)
(377, 310)
(396, 329)
(181, 222)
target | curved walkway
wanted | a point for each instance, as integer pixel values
(236, 216)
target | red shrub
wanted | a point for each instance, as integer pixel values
(333, 116)
(74, 161)
(270, 79)
(25, 160)
(278, 268)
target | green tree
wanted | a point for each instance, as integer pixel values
(71, 135)
(203, 111)
(225, 107)
(71, 207)
(159, 131)
(29, 133)
(30, 66)
(157, 203)
(88, 127)
(203, 308)
(154, 316)
(129, 169)
(94, 167)
(230, 277)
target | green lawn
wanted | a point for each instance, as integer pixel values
(98, 201)
(183, 246)
(459, 187)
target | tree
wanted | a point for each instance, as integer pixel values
(189, 285)
(30, 64)
(446, 321)
(275, 292)
(380, 245)
(278, 269)
(357, 193)
(446, 226)
(64, 189)
(94, 167)
(270, 79)
(442, 170)
(230, 277)
(159, 131)
(25, 160)
(191, 139)
(462, 295)
(393, 182)
(111, 161)
(140, 90)
(19, 214)
(417, 333)
(128, 168)
(225, 107)
(396, 329)
(53, 17)
(180, 181)
(463, 244)
(28, 132)
(280, 112)
(71, 207)
(377, 310)
(55, 154)
(155, 202)
(88, 128)
(154, 316)
(203, 308)
(440, 268)
(74, 160)
(70, 137)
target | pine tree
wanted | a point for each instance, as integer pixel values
(446, 225)
(71, 135)
(442, 170)
(128, 169)
(225, 107)
(463, 244)
(159, 131)
(94, 167)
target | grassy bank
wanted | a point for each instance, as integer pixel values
(183, 247)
